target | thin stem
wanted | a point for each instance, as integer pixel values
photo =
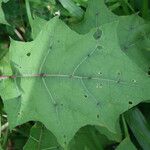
(145, 9)
(29, 11)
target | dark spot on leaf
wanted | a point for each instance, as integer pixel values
(85, 96)
(98, 103)
(89, 78)
(88, 55)
(99, 47)
(148, 72)
(70, 76)
(28, 54)
(130, 103)
(119, 73)
(131, 28)
(118, 81)
(97, 34)
(97, 13)
(97, 116)
(96, 132)
(125, 48)
(42, 75)
(55, 104)
(12, 77)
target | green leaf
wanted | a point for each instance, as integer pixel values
(7, 87)
(89, 138)
(139, 127)
(96, 14)
(126, 144)
(133, 32)
(41, 138)
(74, 10)
(2, 17)
(68, 80)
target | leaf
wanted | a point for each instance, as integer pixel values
(2, 17)
(87, 137)
(68, 80)
(7, 88)
(126, 144)
(139, 127)
(96, 14)
(133, 32)
(37, 25)
(41, 138)
(75, 10)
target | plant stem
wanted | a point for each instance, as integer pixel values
(145, 9)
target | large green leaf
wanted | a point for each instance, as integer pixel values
(69, 80)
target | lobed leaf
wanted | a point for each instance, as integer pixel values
(68, 80)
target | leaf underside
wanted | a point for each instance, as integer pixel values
(67, 80)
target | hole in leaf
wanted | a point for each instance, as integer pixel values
(99, 47)
(118, 81)
(85, 96)
(88, 55)
(97, 13)
(97, 34)
(28, 54)
(98, 103)
(130, 103)
(100, 73)
(70, 76)
(89, 78)
(133, 81)
(119, 73)
(97, 116)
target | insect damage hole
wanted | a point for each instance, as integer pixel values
(97, 34)
(130, 102)
(97, 116)
(28, 54)
(85, 96)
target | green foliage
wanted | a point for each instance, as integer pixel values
(78, 66)
(2, 17)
